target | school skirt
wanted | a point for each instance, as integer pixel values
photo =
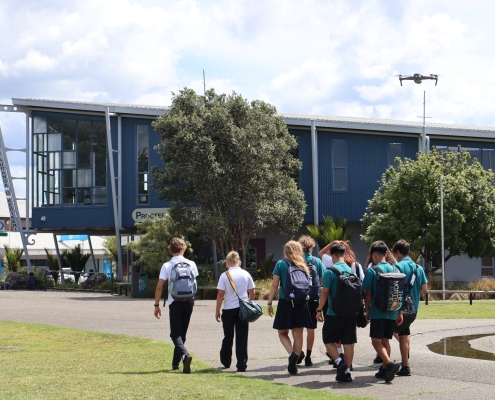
(289, 317)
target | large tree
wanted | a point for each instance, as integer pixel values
(407, 205)
(229, 168)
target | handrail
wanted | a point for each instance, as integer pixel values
(471, 293)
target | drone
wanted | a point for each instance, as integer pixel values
(418, 78)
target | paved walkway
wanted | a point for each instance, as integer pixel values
(434, 376)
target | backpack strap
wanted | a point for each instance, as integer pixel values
(231, 282)
(377, 269)
(335, 271)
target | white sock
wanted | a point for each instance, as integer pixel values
(338, 361)
(339, 350)
(348, 371)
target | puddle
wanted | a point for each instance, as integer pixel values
(458, 346)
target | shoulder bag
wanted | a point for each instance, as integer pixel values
(249, 311)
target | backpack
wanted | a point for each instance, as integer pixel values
(390, 289)
(298, 285)
(182, 284)
(348, 298)
(409, 311)
(314, 291)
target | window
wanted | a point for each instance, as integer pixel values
(475, 153)
(69, 162)
(394, 150)
(487, 262)
(488, 158)
(487, 272)
(142, 164)
(339, 165)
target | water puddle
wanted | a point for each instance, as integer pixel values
(458, 346)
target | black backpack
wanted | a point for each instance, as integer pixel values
(349, 296)
(298, 285)
(409, 311)
(314, 290)
(390, 289)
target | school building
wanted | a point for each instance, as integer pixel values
(74, 189)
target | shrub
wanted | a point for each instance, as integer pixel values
(204, 277)
(487, 284)
(266, 284)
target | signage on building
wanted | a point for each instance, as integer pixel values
(73, 237)
(142, 214)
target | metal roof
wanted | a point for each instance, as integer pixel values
(134, 109)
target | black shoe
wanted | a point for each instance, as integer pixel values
(377, 360)
(292, 367)
(347, 378)
(301, 358)
(241, 369)
(404, 371)
(186, 369)
(342, 367)
(331, 361)
(380, 374)
(308, 362)
(390, 371)
(175, 367)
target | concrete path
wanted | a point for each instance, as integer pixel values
(434, 376)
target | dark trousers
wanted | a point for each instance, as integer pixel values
(232, 324)
(180, 315)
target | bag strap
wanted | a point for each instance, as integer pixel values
(335, 271)
(232, 282)
(377, 269)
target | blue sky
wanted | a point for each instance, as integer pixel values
(321, 57)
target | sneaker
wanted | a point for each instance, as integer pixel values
(380, 374)
(292, 367)
(347, 378)
(301, 358)
(241, 369)
(378, 360)
(404, 371)
(308, 362)
(390, 371)
(186, 369)
(341, 357)
(341, 371)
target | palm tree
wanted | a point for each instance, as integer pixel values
(76, 260)
(329, 230)
(52, 264)
(12, 258)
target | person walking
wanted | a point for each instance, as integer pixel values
(415, 286)
(244, 288)
(292, 311)
(180, 307)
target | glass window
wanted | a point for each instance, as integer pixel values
(69, 179)
(83, 177)
(487, 272)
(339, 165)
(142, 163)
(475, 153)
(69, 159)
(55, 142)
(69, 196)
(488, 158)
(487, 262)
(69, 134)
(39, 125)
(83, 144)
(100, 153)
(295, 153)
(54, 125)
(100, 195)
(394, 151)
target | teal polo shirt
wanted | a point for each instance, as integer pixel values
(407, 266)
(330, 280)
(370, 284)
(281, 269)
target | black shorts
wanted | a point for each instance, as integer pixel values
(313, 306)
(382, 328)
(289, 317)
(405, 332)
(339, 329)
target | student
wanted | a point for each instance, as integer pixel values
(308, 244)
(337, 330)
(31, 282)
(407, 266)
(230, 313)
(180, 310)
(382, 322)
(291, 316)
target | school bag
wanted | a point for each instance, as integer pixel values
(314, 291)
(348, 298)
(182, 284)
(409, 311)
(298, 285)
(390, 289)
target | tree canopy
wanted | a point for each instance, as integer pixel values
(228, 168)
(407, 206)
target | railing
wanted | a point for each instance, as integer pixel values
(471, 293)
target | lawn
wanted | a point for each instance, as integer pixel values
(45, 362)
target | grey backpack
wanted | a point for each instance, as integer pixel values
(182, 284)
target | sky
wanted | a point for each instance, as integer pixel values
(334, 58)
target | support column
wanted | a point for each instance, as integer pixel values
(59, 259)
(314, 163)
(92, 253)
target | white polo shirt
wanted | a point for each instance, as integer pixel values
(243, 282)
(167, 269)
(327, 262)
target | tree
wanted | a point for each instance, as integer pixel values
(407, 205)
(229, 168)
(52, 262)
(110, 249)
(12, 258)
(76, 260)
(152, 247)
(329, 230)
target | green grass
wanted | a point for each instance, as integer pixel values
(61, 363)
(456, 310)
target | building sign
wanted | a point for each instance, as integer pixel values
(63, 238)
(142, 214)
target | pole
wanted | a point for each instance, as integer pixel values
(423, 132)
(442, 235)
